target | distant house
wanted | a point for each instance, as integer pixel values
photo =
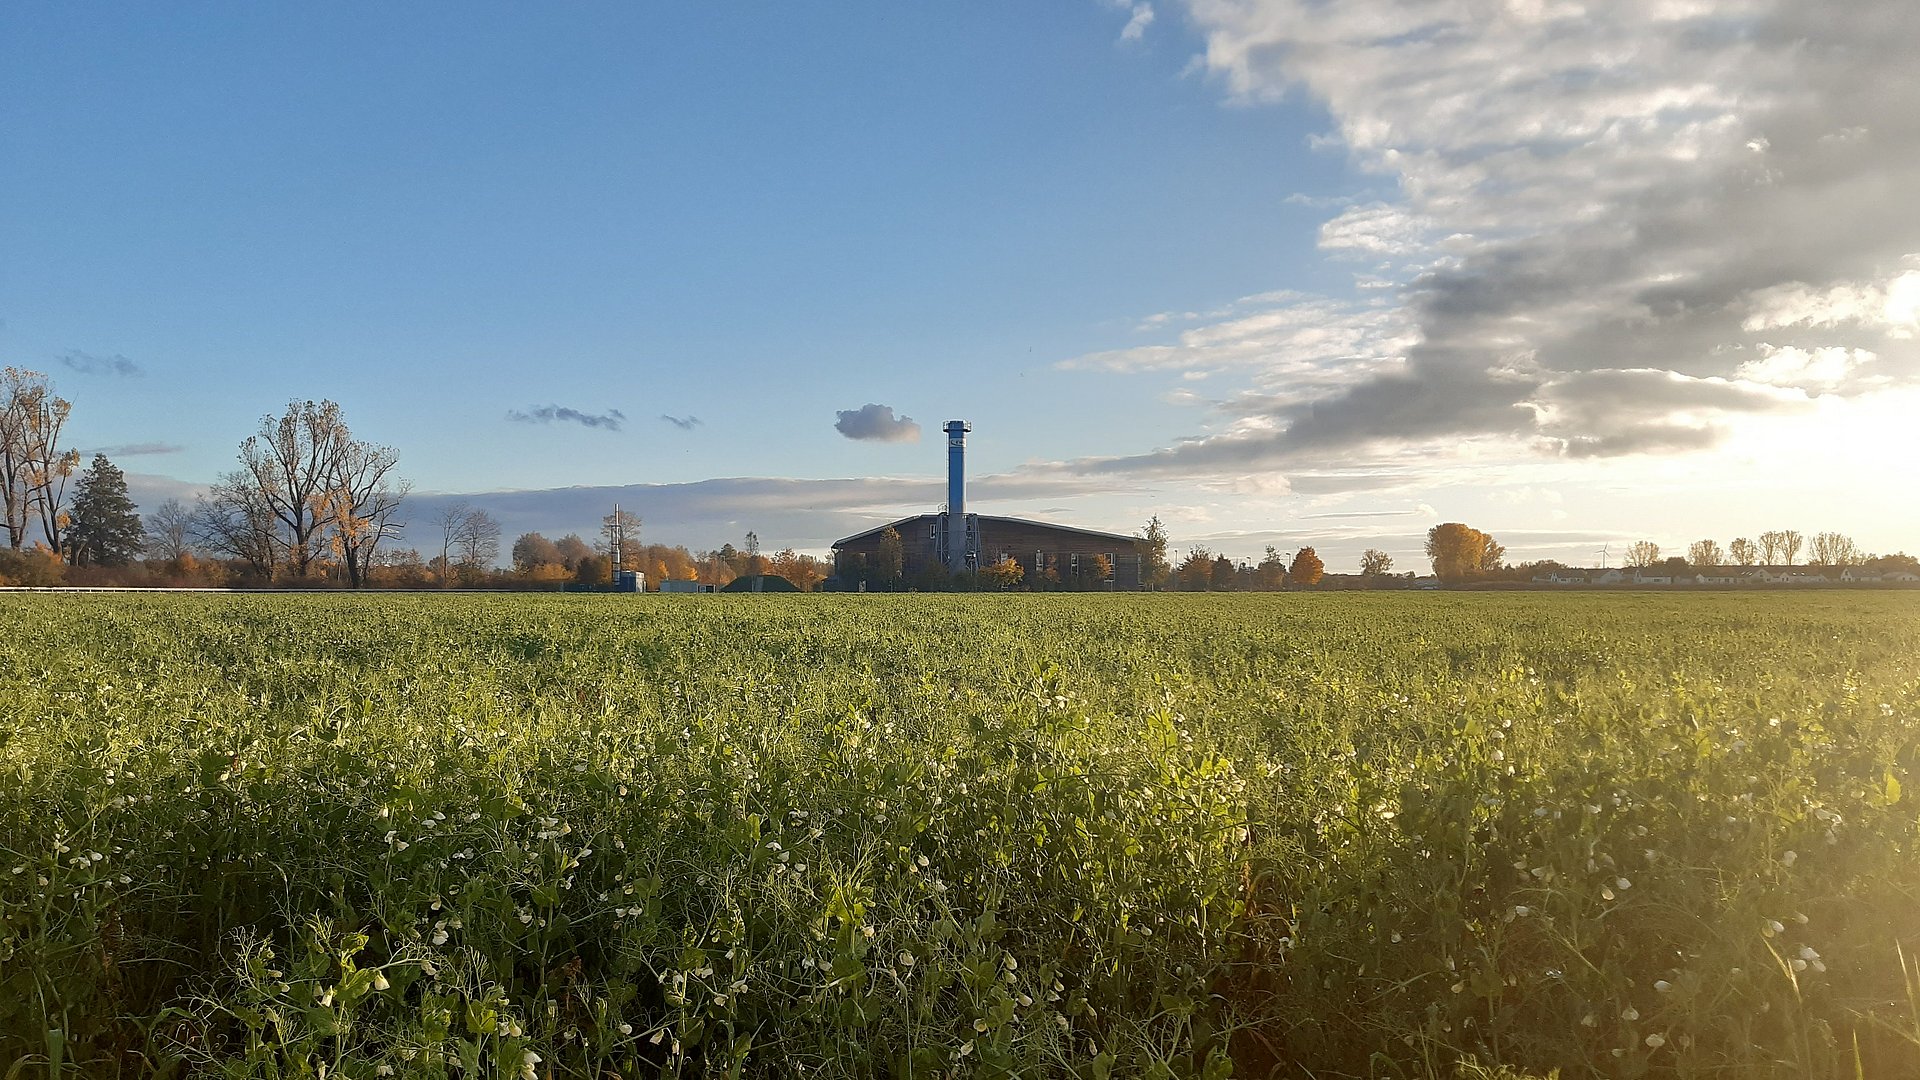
(1859, 573)
(1609, 577)
(1652, 579)
(1906, 576)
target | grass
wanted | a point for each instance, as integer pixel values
(1360, 835)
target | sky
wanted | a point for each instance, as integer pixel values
(1274, 271)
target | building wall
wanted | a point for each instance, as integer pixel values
(1034, 547)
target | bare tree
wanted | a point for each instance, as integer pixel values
(33, 469)
(451, 518)
(1705, 553)
(478, 540)
(1375, 563)
(620, 539)
(1643, 553)
(359, 502)
(1790, 545)
(1743, 551)
(292, 460)
(1835, 549)
(168, 530)
(233, 520)
(1771, 543)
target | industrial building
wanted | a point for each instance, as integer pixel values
(954, 540)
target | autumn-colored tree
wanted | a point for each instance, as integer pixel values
(1307, 569)
(1743, 551)
(1005, 574)
(1375, 563)
(291, 460)
(572, 549)
(1835, 549)
(1643, 553)
(532, 551)
(1091, 572)
(1705, 553)
(1152, 548)
(359, 500)
(1460, 551)
(106, 529)
(805, 571)
(620, 540)
(34, 470)
(1195, 572)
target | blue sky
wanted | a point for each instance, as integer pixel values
(1249, 266)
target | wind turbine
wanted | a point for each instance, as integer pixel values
(1606, 555)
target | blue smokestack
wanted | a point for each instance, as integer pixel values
(957, 495)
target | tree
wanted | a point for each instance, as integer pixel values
(33, 468)
(1773, 543)
(804, 571)
(620, 539)
(1271, 573)
(755, 564)
(233, 521)
(1307, 567)
(1152, 548)
(1790, 541)
(1705, 553)
(1375, 563)
(889, 559)
(1743, 551)
(478, 541)
(1460, 551)
(106, 529)
(168, 530)
(1673, 566)
(451, 519)
(532, 551)
(1643, 553)
(572, 550)
(1835, 549)
(359, 502)
(292, 460)
(1195, 572)
(1223, 573)
(1005, 574)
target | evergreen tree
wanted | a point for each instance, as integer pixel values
(106, 529)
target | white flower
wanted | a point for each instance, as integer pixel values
(905, 959)
(1787, 857)
(1656, 1040)
(1622, 884)
(1629, 1014)
(1662, 985)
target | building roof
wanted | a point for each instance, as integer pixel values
(985, 520)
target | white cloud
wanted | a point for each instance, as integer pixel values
(1818, 368)
(1596, 210)
(1373, 229)
(1893, 305)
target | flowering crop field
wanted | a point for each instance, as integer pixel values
(1468, 835)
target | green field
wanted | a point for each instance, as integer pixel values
(1289, 835)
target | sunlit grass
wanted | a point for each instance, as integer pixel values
(889, 836)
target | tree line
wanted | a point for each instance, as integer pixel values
(307, 504)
